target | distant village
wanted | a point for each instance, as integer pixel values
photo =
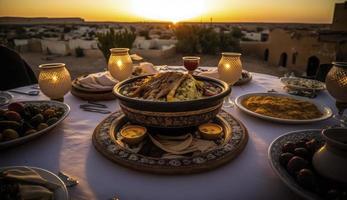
(300, 47)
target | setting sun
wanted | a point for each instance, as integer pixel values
(166, 10)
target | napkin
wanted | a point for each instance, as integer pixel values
(173, 146)
(144, 68)
(211, 73)
(31, 184)
(184, 144)
(100, 80)
(136, 57)
(31, 192)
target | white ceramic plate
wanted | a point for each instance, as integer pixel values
(327, 113)
(60, 193)
(274, 152)
(296, 83)
(27, 138)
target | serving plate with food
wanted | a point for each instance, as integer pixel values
(282, 108)
(22, 182)
(297, 83)
(94, 87)
(290, 156)
(26, 120)
(245, 78)
(96, 82)
(171, 99)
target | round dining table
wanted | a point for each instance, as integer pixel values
(68, 148)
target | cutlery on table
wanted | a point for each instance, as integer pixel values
(272, 91)
(67, 179)
(30, 93)
(35, 87)
(114, 198)
(96, 104)
(341, 119)
(95, 107)
(96, 110)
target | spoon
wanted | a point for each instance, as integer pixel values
(30, 93)
(67, 179)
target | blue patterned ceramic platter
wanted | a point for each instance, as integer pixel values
(235, 139)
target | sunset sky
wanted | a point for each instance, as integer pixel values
(315, 11)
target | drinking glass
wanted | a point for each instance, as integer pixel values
(191, 63)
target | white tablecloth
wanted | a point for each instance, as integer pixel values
(69, 148)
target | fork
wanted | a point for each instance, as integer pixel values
(30, 93)
(92, 106)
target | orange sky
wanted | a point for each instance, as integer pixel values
(315, 11)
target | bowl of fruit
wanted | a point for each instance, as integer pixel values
(290, 156)
(26, 120)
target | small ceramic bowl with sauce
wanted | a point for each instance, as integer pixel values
(210, 131)
(133, 134)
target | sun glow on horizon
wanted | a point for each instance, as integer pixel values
(168, 10)
(307, 11)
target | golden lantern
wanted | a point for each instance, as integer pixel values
(120, 64)
(336, 83)
(54, 80)
(230, 67)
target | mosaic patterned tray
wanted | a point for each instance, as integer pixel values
(106, 141)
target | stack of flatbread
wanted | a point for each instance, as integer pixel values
(100, 80)
(179, 145)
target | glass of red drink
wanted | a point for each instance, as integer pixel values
(191, 63)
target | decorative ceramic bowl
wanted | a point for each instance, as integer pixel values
(331, 160)
(274, 152)
(178, 114)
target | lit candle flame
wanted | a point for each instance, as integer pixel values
(54, 78)
(119, 63)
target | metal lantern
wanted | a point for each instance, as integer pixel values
(120, 64)
(230, 67)
(336, 83)
(54, 80)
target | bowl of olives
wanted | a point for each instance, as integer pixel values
(290, 156)
(25, 120)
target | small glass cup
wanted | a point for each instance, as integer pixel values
(191, 63)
